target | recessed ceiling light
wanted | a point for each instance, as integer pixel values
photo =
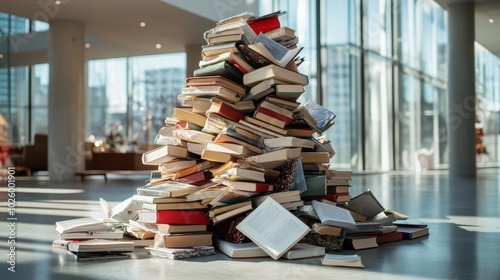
(1, 55)
(57, 2)
(142, 24)
(87, 45)
(491, 20)
(158, 46)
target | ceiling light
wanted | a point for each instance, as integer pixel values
(1, 55)
(57, 2)
(142, 24)
(87, 45)
(491, 20)
(158, 46)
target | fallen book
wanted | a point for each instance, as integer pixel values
(241, 250)
(179, 240)
(304, 250)
(92, 256)
(181, 253)
(342, 260)
(100, 245)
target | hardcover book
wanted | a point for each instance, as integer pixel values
(174, 217)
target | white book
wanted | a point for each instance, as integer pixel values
(342, 260)
(81, 224)
(242, 250)
(273, 228)
(304, 250)
(333, 215)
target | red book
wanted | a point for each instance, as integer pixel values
(265, 25)
(174, 217)
(226, 111)
(249, 186)
(274, 114)
(198, 178)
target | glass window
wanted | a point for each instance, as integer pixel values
(342, 23)
(408, 32)
(378, 112)
(107, 96)
(40, 99)
(377, 28)
(156, 81)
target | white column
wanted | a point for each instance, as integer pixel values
(461, 90)
(66, 99)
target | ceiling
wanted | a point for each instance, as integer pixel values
(487, 34)
(112, 26)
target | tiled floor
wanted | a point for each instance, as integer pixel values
(463, 215)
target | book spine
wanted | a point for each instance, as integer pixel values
(274, 114)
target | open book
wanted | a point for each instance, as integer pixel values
(274, 51)
(273, 228)
(333, 215)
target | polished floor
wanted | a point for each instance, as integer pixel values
(463, 216)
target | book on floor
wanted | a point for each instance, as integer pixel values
(100, 245)
(304, 250)
(411, 233)
(241, 250)
(81, 225)
(333, 215)
(342, 260)
(181, 253)
(359, 242)
(179, 240)
(273, 228)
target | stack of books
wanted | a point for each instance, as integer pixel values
(180, 223)
(91, 239)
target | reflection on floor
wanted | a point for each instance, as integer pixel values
(463, 215)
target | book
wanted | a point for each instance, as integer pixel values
(193, 136)
(326, 229)
(199, 178)
(109, 234)
(273, 228)
(81, 225)
(175, 217)
(280, 197)
(216, 156)
(258, 187)
(411, 233)
(181, 253)
(342, 260)
(366, 204)
(262, 89)
(337, 189)
(318, 117)
(359, 242)
(289, 91)
(229, 148)
(243, 135)
(170, 229)
(167, 189)
(195, 148)
(390, 237)
(217, 81)
(274, 72)
(209, 192)
(173, 206)
(178, 240)
(266, 128)
(278, 155)
(227, 231)
(163, 154)
(241, 250)
(231, 213)
(226, 111)
(249, 173)
(283, 113)
(315, 157)
(333, 215)
(176, 165)
(217, 49)
(243, 106)
(227, 207)
(410, 222)
(199, 167)
(224, 69)
(92, 256)
(274, 51)
(304, 250)
(211, 91)
(269, 118)
(316, 187)
(299, 131)
(157, 199)
(287, 103)
(187, 115)
(265, 23)
(223, 137)
(281, 33)
(232, 57)
(100, 245)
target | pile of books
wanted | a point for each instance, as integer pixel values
(92, 239)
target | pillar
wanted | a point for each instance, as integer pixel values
(66, 99)
(461, 90)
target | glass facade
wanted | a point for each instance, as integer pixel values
(383, 68)
(380, 65)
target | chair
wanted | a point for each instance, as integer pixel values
(36, 155)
